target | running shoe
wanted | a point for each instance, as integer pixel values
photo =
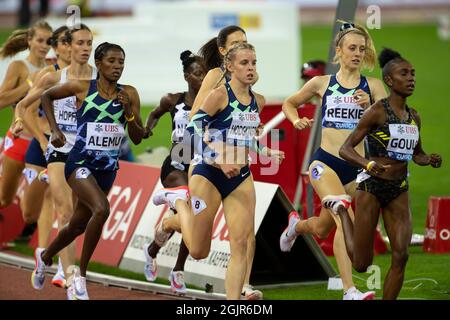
(150, 267)
(286, 242)
(333, 202)
(170, 196)
(177, 283)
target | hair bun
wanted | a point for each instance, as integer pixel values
(186, 55)
(387, 55)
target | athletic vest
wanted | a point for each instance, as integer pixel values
(237, 123)
(100, 129)
(65, 111)
(180, 118)
(395, 139)
(339, 109)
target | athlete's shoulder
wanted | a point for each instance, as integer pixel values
(217, 72)
(170, 99)
(129, 89)
(260, 100)
(374, 81)
(376, 109)
(18, 67)
(49, 77)
(213, 78)
(318, 84)
(218, 95)
(415, 114)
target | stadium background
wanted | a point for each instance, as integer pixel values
(414, 34)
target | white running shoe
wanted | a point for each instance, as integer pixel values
(334, 201)
(355, 294)
(59, 279)
(249, 293)
(38, 275)
(287, 242)
(77, 285)
(161, 236)
(150, 267)
(170, 196)
(177, 283)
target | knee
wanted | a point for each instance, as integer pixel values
(101, 210)
(77, 229)
(360, 266)
(239, 246)
(399, 259)
(4, 201)
(29, 218)
(64, 218)
(198, 252)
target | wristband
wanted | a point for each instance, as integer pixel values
(129, 119)
(18, 119)
(370, 165)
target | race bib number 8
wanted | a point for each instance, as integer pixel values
(104, 136)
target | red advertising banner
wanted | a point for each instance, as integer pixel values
(128, 198)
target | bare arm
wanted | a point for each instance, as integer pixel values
(68, 89)
(165, 104)
(14, 85)
(44, 81)
(129, 97)
(371, 118)
(290, 105)
(419, 156)
(209, 83)
(377, 89)
(30, 119)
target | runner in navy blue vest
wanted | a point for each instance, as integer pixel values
(344, 97)
(105, 110)
(231, 114)
(79, 42)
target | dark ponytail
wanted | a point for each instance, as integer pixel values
(211, 55)
(210, 50)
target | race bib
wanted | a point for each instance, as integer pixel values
(342, 112)
(181, 121)
(403, 140)
(8, 143)
(362, 176)
(66, 114)
(243, 127)
(104, 136)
